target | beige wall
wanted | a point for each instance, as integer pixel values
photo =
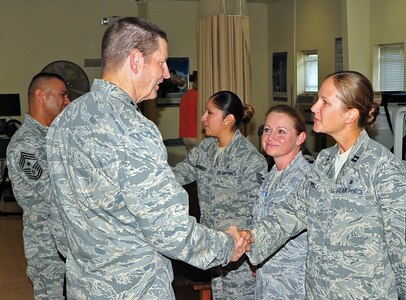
(181, 29)
(358, 36)
(362, 24)
(281, 39)
(387, 25)
(37, 32)
(384, 16)
(303, 25)
(316, 24)
(260, 64)
(178, 19)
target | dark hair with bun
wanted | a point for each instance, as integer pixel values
(230, 103)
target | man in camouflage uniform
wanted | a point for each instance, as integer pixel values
(28, 172)
(121, 206)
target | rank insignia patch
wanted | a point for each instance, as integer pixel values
(29, 163)
(260, 179)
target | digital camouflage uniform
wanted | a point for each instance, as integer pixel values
(28, 172)
(120, 203)
(355, 225)
(227, 190)
(282, 276)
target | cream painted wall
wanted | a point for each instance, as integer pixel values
(318, 24)
(178, 19)
(299, 25)
(387, 25)
(181, 30)
(37, 32)
(358, 38)
(363, 24)
(258, 15)
(282, 39)
(387, 22)
(303, 25)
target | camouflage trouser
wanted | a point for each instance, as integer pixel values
(47, 277)
(280, 281)
(233, 282)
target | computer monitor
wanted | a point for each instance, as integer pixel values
(10, 105)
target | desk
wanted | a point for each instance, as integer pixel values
(204, 290)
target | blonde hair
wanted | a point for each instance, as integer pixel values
(355, 91)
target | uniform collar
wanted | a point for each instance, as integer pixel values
(115, 92)
(353, 157)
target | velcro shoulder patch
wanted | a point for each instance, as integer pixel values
(260, 178)
(30, 165)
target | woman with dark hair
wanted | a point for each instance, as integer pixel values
(352, 203)
(228, 170)
(282, 275)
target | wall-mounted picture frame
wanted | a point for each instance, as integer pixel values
(339, 54)
(171, 89)
(280, 76)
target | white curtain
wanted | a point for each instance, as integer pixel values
(226, 7)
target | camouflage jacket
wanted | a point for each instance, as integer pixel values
(28, 172)
(355, 224)
(120, 203)
(282, 275)
(227, 186)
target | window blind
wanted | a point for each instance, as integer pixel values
(311, 71)
(391, 67)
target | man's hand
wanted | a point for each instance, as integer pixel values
(247, 235)
(242, 241)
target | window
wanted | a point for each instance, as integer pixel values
(307, 72)
(391, 67)
(311, 71)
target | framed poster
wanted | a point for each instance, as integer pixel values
(171, 89)
(280, 76)
(339, 54)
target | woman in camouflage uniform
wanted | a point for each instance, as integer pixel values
(228, 170)
(282, 275)
(352, 203)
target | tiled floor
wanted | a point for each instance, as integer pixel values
(14, 284)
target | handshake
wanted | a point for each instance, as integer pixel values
(243, 240)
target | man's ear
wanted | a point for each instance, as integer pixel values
(136, 61)
(40, 95)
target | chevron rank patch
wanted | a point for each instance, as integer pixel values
(30, 165)
(260, 179)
